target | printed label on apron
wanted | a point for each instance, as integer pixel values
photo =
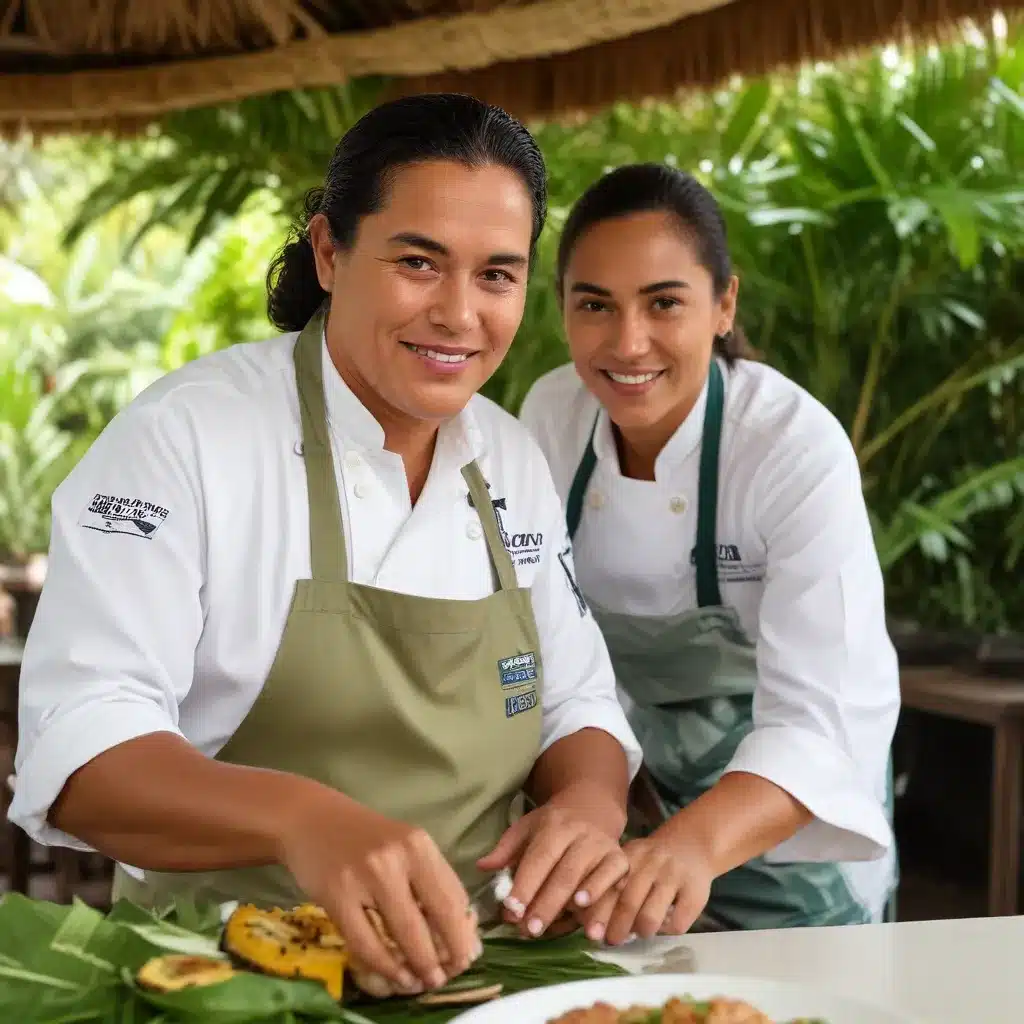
(522, 668)
(520, 703)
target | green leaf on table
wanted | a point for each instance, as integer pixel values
(243, 999)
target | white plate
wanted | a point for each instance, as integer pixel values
(781, 1001)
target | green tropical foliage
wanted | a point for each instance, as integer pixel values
(876, 219)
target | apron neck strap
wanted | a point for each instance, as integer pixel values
(326, 530)
(706, 551)
(706, 555)
(584, 471)
(501, 560)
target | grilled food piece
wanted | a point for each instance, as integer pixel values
(178, 971)
(298, 943)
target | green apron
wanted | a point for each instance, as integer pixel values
(400, 702)
(691, 678)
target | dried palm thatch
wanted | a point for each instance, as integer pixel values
(91, 64)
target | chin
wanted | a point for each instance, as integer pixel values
(438, 403)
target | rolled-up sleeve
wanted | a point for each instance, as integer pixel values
(579, 682)
(111, 650)
(827, 696)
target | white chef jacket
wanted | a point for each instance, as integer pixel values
(175, 630)
(798, 564)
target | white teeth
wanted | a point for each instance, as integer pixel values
(441, 357)
(632, 378)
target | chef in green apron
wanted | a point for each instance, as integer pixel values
(723, 544)
(311, 628)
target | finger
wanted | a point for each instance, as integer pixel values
(508, 847)
(446, 907)
(406, 924)
(621, 924)
(682, 915)
(610, 871)
(556, 891)
(544, 850)
(595, 918)
(367, 948)
(655, 910)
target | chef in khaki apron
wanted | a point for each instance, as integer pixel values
(689, 683)
(387, 697)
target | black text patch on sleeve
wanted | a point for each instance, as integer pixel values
(565, 558)
(109, 514)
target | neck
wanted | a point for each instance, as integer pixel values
(639, 447)
(412, 439)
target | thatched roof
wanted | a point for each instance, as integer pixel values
(87, 64)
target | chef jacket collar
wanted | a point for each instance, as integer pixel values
(681, 444)
(354, 426)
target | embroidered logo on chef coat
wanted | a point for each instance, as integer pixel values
(732, 567)
(524, 547)
(520, 669)
(519, 703)
(110, 514)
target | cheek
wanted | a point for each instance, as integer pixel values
(501, 319)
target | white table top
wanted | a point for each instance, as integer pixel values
(939, 972)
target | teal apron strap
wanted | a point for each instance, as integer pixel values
(584, 471)
(706, 552)
(327, 555)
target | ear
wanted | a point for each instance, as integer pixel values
(324, 251)
(727, 306)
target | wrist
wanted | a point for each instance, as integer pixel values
(690, 837)
(302, 808)
(603, 809)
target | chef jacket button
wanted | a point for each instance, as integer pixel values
(596, 500)
(474, 531)
(359, 490)
(299, 448)
(677, 505)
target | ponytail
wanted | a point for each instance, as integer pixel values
(734, 345)
(293, 289)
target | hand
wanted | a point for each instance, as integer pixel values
(565, 856)
(347, 858)
(667, 887)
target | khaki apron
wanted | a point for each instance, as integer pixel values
(691, 678)
(427, 710)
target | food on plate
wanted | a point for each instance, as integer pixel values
(676, 1011)
(178, 971)
(298, 943)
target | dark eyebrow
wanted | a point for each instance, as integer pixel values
(660, 286)
(498, 259)
(586, 288)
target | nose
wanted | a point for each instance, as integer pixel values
(632, 338)
(454, 308)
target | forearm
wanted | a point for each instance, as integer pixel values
(159, 804)
(588, 767)
(742, 816)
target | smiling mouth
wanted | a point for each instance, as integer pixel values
(632, 378)
(437, 355)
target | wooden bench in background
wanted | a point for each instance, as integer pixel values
(998, 703)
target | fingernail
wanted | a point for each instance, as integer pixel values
(409, 984)
(582, 898)
(478, 950)
(514, 906)
(631, 937)
(436, 978)
(536, 926)
(595, 932)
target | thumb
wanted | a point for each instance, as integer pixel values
(509, 846)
